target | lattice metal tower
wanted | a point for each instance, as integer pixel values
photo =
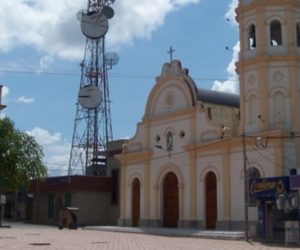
(93, 126)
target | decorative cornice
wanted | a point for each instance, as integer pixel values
(134, 157)
(173, 68)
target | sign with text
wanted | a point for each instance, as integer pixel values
(268, 187)
(291, 231)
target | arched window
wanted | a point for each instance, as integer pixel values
(275, 31)
(252, 173)
(252, 37)
(297, 35)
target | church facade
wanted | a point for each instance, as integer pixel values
(194, 151)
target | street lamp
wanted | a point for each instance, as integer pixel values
(259, 142)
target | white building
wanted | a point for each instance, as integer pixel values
(185, 165)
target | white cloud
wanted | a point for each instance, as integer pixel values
(6, 99)
(183, 2)
(232, 84)
(144, 17)
(23, 99)
(5, 91)
(230, 15)
(51, 27)
(46, 61)
(43, 137)
(56, 151)
(57, 158)
(46, 25)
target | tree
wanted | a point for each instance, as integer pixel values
(21, 158)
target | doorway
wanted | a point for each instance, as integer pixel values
(211, 200)
(269, 211)
(136, 191)
(170, 201)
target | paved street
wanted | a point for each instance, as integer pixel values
(27, 236)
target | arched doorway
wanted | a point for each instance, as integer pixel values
(170, 201)
(211, 200)
(136, 190)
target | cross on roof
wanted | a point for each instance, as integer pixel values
(171, 53)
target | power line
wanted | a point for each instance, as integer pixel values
(211, 160)
(265, 149)
(67, 72)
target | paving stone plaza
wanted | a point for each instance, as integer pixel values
(22, 236)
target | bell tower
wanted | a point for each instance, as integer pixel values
(268, 66)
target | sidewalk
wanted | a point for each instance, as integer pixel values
(173, 232)
(170, 232)
(23, 236)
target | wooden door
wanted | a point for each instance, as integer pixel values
(136, 202)
(211, 200)
(170, 201)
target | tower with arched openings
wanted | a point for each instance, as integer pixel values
(268, 65)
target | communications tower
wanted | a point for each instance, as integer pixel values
(93, 126)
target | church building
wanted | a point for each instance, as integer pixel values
(195, 152)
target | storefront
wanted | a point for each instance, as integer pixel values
(295, 182)
(276, 205)
(295, 186)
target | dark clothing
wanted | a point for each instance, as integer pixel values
(74, 217)
(74, 220)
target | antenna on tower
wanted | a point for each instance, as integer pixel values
(111, 59)
(92, 126)
(80, 14)
(108, 12)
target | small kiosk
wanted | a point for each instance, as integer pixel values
(277, 207)
(295, 186)
(68, 218)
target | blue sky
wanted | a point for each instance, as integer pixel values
(41, 46)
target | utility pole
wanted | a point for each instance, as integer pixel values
(245, 188)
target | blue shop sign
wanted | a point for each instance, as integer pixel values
(295, 182)
(268, 187)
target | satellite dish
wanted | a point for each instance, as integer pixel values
(80, 14)
(108, 12)
(111, 59)
(94, 25)
(109, 2)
